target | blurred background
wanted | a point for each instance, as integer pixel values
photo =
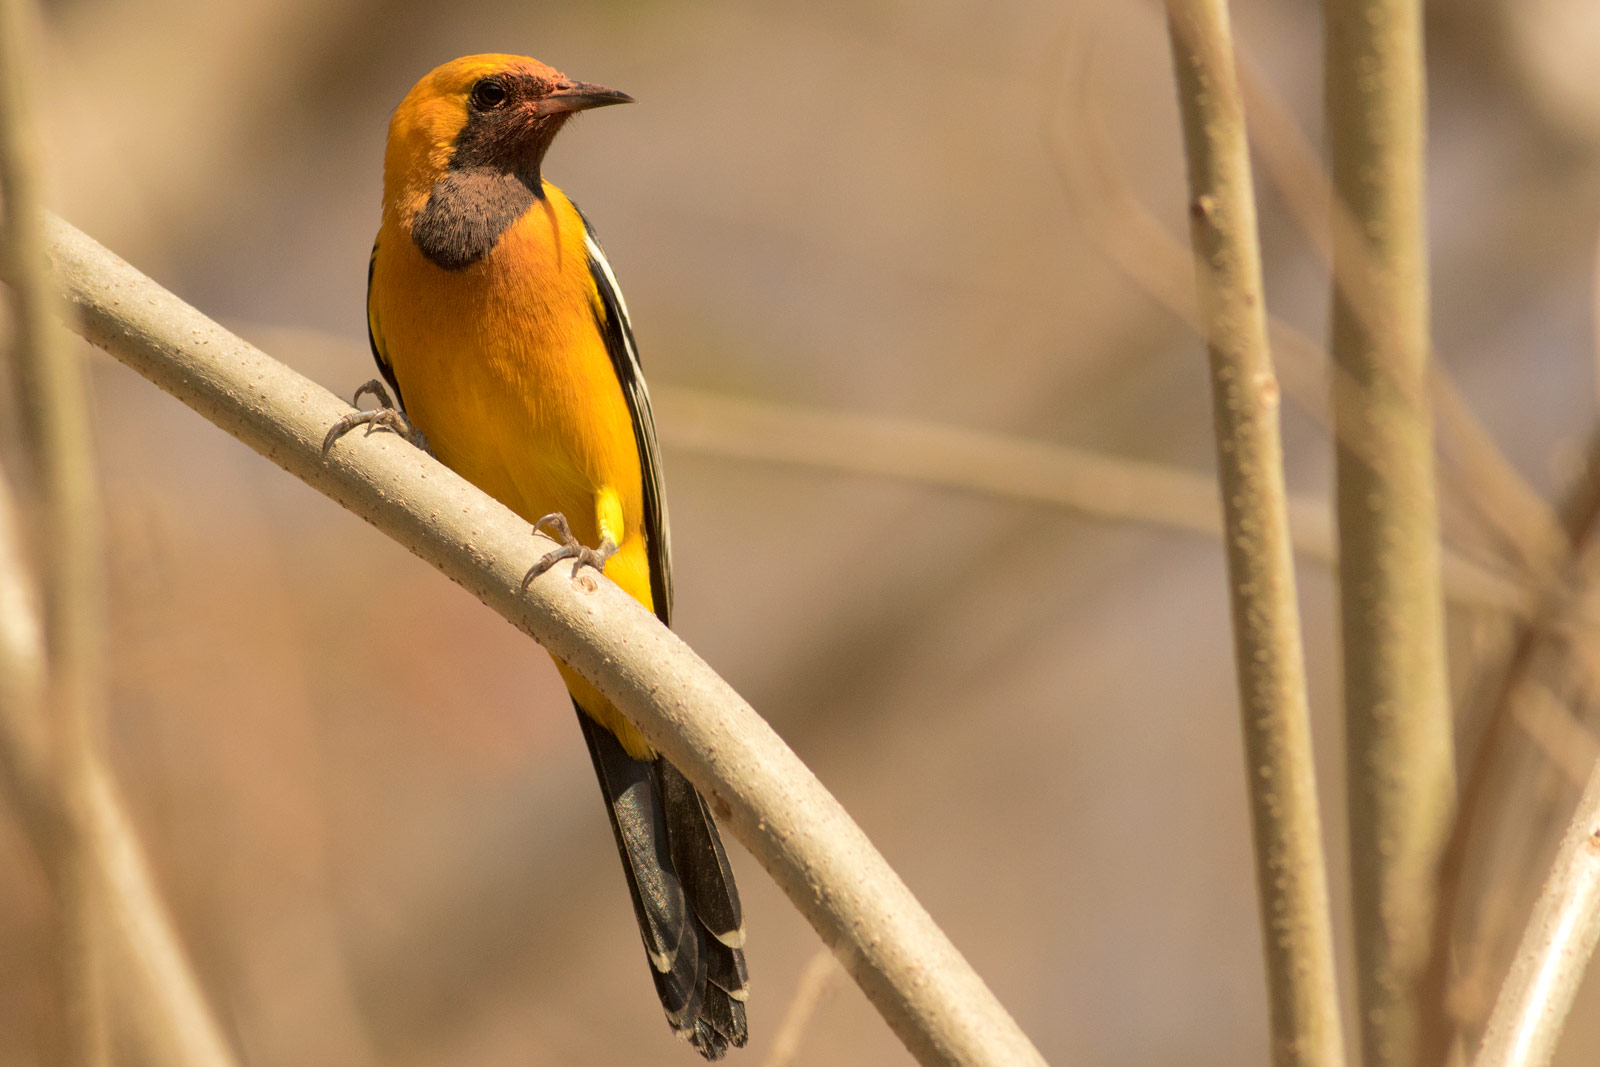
(364, 795)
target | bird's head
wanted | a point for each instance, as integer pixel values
(494, 111)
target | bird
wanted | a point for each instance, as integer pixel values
(495, 317)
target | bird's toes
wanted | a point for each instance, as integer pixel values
(387, 416)
(571, 548)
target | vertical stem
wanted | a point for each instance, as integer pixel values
(55, 422)
(1290, 872)
(1401, 770)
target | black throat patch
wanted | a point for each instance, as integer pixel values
(468, 211)
(493, 177)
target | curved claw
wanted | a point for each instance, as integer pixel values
(558, 523)
(581, 555)
(387, 416)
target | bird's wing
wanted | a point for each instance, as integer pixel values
(611, 314)
(375, 338)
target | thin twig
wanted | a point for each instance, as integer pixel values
(816, 980)
(888, 943)
(1291, 879)
(1401, 775)
(1555, 950)
(55, 423)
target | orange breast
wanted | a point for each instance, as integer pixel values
(502, 365)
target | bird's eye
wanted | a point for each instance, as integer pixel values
(488, 94)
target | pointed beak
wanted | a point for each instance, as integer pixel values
(579, 96)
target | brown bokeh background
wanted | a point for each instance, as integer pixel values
(363, 793)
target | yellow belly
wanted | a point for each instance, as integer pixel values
(502, 365)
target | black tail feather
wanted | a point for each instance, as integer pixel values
(699, 858)
(683, 892)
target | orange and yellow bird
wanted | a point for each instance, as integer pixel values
(494, 315)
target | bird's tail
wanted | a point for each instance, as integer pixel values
(683, 892)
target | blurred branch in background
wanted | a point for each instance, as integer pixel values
(1594, 318)
(815, 982)
(911, 972)
(1095, 484)
(152, 976)
(1482, 474)
(1524, 680)
(1488, 487)
(943, 456)
(1291, 875)
(1556, 948)
(1400, 754)
(51, 675)
(54, 419)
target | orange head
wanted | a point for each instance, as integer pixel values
(488, 113)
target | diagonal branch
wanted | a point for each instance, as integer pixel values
(1489, 818)
(1555, 950)
(916, 978)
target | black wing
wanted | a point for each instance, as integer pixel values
(611, 314)
(372, 334)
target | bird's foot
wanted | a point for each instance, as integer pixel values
(387, 416)
(580, 554)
